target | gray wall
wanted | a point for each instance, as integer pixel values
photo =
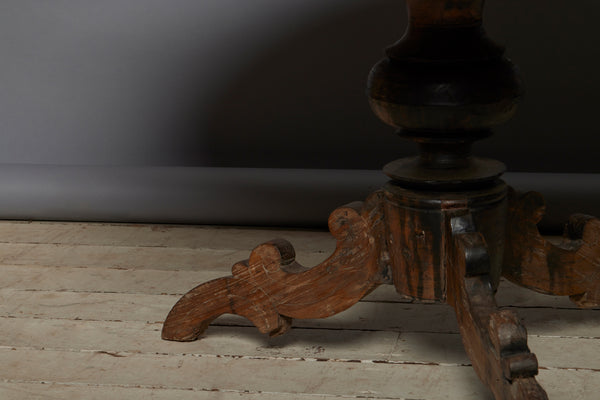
(254, 83)
(265, 83)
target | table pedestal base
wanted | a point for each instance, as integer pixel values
(445, 229)
(374, 248)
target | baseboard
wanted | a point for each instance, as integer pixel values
(232, 196)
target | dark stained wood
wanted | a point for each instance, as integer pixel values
(444, 85)
(494, 339)
(570, 267)
(444, 13)
(271, 288)
(416, 222)
(415, 251)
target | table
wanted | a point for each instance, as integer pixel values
(444, 229)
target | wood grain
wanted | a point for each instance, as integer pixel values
(494, 339)
(569, 267)
(66, 305)
(271, 288)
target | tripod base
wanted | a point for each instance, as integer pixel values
(449, 247)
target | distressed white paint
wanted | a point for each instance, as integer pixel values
(81, 307)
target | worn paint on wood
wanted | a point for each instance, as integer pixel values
(59, 308)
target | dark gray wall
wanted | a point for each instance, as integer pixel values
(265, 83)
(234, 196)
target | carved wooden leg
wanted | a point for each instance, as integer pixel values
(494, 339)
(270, 288)
(570, 267)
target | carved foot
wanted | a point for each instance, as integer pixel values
(570, 267)
(494, 339)
(270, 288)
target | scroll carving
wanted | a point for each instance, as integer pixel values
(568, 267)
(494, 339)
(271, 288)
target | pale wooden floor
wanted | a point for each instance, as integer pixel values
(81, 307)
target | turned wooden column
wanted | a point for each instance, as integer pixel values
(444, 85)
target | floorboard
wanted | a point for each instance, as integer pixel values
(82, 305)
